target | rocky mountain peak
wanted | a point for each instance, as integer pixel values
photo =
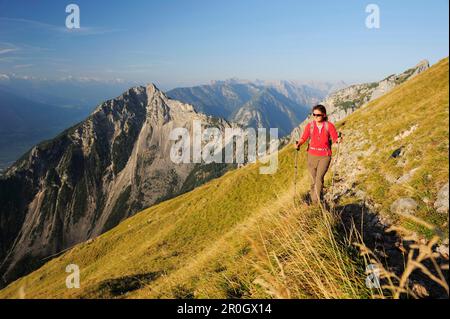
(422, 66)
(157, 107)
(143, 102)
(423, 63)
(152, 89)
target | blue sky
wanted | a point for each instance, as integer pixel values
(187, 42)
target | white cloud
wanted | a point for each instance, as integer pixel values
(3, 51)
(22, 66)
(6, 47)
(42, 26)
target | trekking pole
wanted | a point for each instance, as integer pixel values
(334, 172)
(296, 165)
(295, 173)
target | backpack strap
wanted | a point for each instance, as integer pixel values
(328, 132)
(311, 128)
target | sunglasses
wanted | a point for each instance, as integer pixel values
(315, 114)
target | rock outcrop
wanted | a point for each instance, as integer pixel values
(404, 206)
(344, 102)
(441, 204)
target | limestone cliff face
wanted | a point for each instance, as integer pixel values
(93, 175)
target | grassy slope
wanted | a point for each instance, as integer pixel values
(168, 236)
(212, 242)
(422, 101)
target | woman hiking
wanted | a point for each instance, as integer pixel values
(319, 132)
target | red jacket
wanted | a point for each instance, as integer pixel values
(319, 144)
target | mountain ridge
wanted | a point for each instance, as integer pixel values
(344, 102)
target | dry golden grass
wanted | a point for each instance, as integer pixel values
(300, 256)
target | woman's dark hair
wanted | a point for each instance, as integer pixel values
(322, 109)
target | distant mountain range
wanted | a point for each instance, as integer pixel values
(281, 104)
(36, 109)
